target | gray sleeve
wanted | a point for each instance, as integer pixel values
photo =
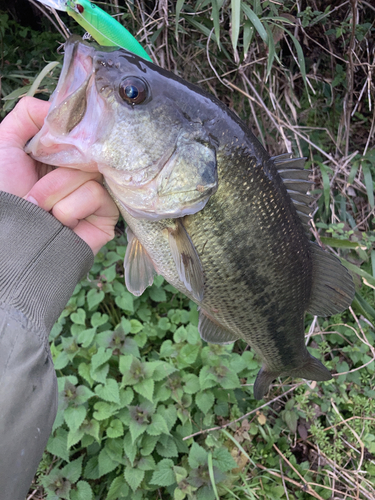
(41, 261)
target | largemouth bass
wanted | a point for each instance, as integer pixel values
(205, 204)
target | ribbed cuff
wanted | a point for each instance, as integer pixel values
(41, 261)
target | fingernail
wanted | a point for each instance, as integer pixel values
(32, 200)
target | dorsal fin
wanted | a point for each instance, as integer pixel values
(332, 286)
(296, 181)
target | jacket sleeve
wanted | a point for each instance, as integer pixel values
(41, 262)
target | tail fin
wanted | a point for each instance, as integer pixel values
(312, 369)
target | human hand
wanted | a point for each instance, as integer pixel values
(76, 198)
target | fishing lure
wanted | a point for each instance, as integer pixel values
(100, 25)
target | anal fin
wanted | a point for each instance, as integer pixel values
(312, 369)
(212, 332)
(139, 268)
(187, 261)
(332, 287)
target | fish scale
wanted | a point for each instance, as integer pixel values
(206, 205)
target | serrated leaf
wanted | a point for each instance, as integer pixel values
(158, 426)
(192, 384)
(204, 400)
(109, 392)
(58, 444)
(102, 356)
(230, 381)
(145, 388)
(157, 294)
(72, 471)
(134, 477)
(169, 414)
(136, 429)
(189, 353)
(92, 468)
(118, 489)
(104, 410)
(163, 370)
(135, 326)
(164, 475)
(166, 447)
(83, 491)
(148, 444)
(74, 416)
(84, 370)
(106, 463)
(130, 448)
(94, 297)
(74, 437)
(100, 374)
(146, 463)
(223, 459)
(197, 456)
(206, 378)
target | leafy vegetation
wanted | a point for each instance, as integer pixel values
(148, 410)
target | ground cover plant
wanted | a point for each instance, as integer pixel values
(146, 409)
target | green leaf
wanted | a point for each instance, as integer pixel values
(102, 356)
(337, 243)
(125, 301)
(136, 429)
(104, 410)
(164, 475)
(110, 273)
(86, 337)
(163, 370)
(157, 294)
(106, 463)
(166, 447)
(169, 414)
(206, 378)
(145, 388)
(358, 270)
(73, 470)
(118, 489)
(83, 491)
(79, 317)
(223, 459)
(291, 419)
(94, 297)
(98, 319)
(158, 426)
(256, 22)
(197, 456)
(130, 448)
(92, 468)
(191, 383)
(236, 14)
(368, 182)
(135, 326)
(326, 185)
(109, 392)
(58, 444)
(148, 444)
(189, 353)
(74, 437)
(134, 477)
(115, 429)
(84, 370)
(204, 400)
(74, 416)
(216, 21)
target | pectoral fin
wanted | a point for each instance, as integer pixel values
(212, 332)
(187, 261)
(139, 268)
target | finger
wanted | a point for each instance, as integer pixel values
(95, 236)
(90, 199)
(57, 185)
(23, 122)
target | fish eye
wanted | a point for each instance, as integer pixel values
(133, 90)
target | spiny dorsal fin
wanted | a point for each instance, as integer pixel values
(332, 287)
(139, 268)
(296, 181)
(187, 261)
(211, 332)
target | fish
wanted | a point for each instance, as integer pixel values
(205, 204)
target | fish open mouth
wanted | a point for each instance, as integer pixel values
(70, 129)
